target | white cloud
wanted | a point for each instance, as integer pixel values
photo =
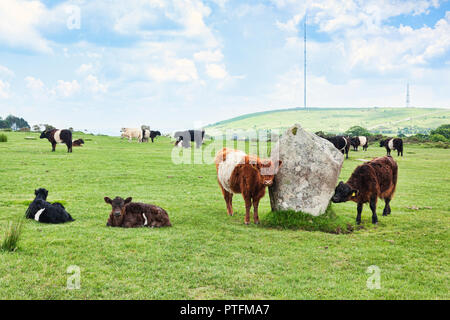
(67, 88)
(35, 85)
(84, 69)
(4, 89)
(18, 24)
(179, 70)
(216, 71)
(4, 71)
(94, 86)
(209, 56)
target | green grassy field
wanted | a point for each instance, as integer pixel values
(337, 120)
(206, 254)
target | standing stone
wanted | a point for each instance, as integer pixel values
(308, 176)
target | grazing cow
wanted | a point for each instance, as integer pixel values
(188, 136)
(238, 172)
(154, 134)
(359, 141)
(129, 214)
(393, 144)
(371, 180)
(341, 143)
(58, 136)
(131, 133)
(43, 211)
(78, 143)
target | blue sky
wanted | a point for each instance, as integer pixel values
(103, 65)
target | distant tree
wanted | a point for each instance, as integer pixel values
(443, 130)
(19, 122)
(357, 131)
(36, 128)
(71, 129)
(49, 127)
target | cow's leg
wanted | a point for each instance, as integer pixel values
(255, 210)
(359, 208)
(53, 147)
(69, 146)
(387, 207)
(373, 207)
(248, 205)
(228, 197)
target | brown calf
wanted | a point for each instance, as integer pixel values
(371, 180)
(238, 172)
(129, 214)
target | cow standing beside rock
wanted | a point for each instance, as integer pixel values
(131, 133)
(341, 143)
(393, 144)
(238, 172)
(372, 180)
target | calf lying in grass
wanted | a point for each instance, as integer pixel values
(129, 214)
(43, 211)
(371, 180)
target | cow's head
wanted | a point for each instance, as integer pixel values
(118, 209)
(41, 193)
(343, 193)
(267, 169)
(44, 134)
(382, 143)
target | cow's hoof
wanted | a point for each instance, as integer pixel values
(246, 223)
(385, 214)
(375, 223)
(256, 222)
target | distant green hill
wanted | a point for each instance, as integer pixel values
(338, 120)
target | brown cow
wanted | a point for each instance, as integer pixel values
(77, 143)
(371, 180)
(238, 172)
(129, 214)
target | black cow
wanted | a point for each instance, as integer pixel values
(393, 144)
(188, 136)
(341, 143)
(359, 141)
(78, 143)
(46, 212)
(58, 136)
(154, 134)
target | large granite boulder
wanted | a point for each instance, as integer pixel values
(309, 173)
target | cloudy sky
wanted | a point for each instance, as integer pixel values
(174, 64)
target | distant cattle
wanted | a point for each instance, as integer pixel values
(56, 136)
(78, 143)
(188, 136)
(371, 180)
(238, 172)
(360, 141)
(393, 144)
(43, 211)
(131, 133)
(129, 214)
(341, 143)
(154, 134)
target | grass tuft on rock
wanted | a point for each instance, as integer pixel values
(3, 137)
(328, 222)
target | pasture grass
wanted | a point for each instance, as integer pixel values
(207, 254)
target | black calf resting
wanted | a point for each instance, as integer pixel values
(46, 212)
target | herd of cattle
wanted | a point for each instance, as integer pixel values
(237, 172)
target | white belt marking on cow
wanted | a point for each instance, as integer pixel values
(344, 145)
(145, 218)
(38, 214)
(362, 140)
(226, 168)
(57, 136)
(391, 144)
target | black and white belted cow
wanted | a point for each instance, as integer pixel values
(341, 143)
(393, 144)
(360, 141)
(58, 136)
(184, 138)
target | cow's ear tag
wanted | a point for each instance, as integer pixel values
(354, 194)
